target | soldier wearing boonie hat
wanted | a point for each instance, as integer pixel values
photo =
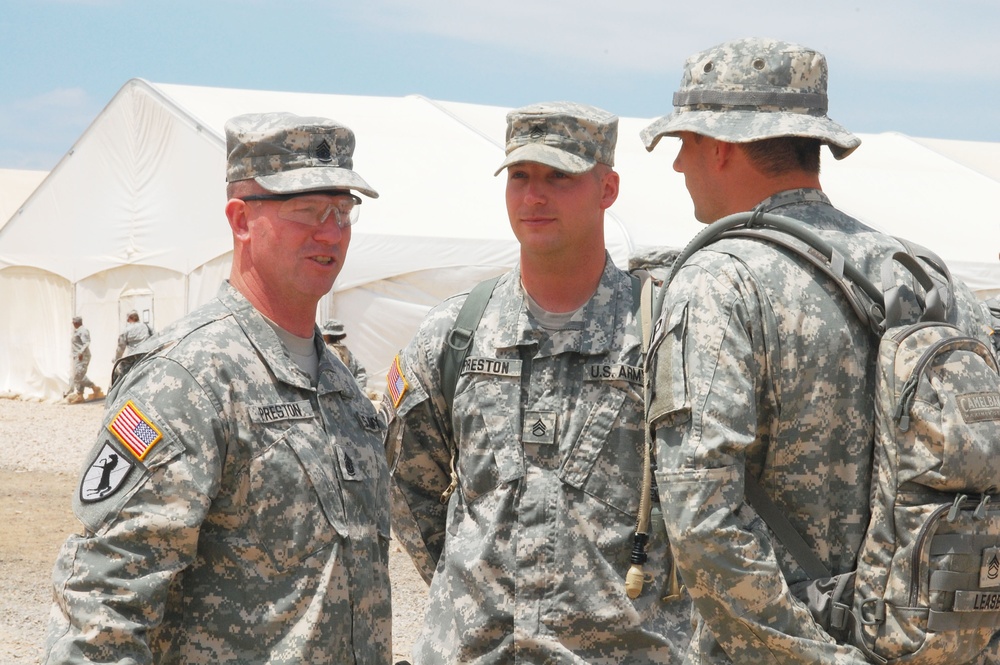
(752, 89)
(755, 366)
(240, 467)
(534, 442)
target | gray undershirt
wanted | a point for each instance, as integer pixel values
(551, 321)
(301, 349)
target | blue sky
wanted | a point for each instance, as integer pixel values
(927, 68)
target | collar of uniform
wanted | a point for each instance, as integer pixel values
(333, 376)
(610, 302)
(264, 339)
(792, 197)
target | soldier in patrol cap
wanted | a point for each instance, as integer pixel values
(135, 333)
(80, 345)
(235, 506)
(518, 501)
(757, 367)
(334, 335)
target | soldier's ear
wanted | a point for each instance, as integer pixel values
(237, 212)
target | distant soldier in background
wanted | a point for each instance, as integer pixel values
(334, 336)
(135, 331)
(81, 361)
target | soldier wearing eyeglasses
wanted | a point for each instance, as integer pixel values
(235, 506)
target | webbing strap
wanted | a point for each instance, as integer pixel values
(783, 529)
(949, 580)
(939, 622)
(810, 100)
(960, 543)
(460, 337)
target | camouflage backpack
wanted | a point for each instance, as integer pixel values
(926, 588)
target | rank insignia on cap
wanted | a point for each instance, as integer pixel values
(104, 476)
(396, 382)
(323, 153)
(134, 430)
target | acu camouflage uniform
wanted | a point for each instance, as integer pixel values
(80, 343)
(351, 361)
(526, 560)
(253, 528)
(135, 332)
(759, 366)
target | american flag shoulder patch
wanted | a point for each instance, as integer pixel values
(134, 430)
(396, 382)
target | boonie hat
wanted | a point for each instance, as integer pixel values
(77, 319)
(752, 89)
(286, 153)
(567, 136)
(334, 328)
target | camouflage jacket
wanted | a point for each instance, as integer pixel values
(80, 343)
(134, 333)
(353, 365)
(759, 366)
(232, 512)
(526, 561)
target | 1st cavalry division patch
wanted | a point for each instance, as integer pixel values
(134, 430)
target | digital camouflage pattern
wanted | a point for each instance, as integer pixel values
(80, 344)
(527, 559)
(759, 366)
(751, 89)
(134, 333)
(931, 554)
(286, 153)
(255, 526)
(567, 136)
(351, 361)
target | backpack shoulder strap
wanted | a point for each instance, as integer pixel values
(782, 528)
(460, 336)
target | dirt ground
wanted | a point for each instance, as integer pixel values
(36, 517)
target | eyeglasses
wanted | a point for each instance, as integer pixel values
(314, 209)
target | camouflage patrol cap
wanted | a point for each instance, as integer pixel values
(334, 328)
(286, 154)
(752, 89)
(567, 136)
(77, 319)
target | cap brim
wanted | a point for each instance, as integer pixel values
(549, 156)
(314, 179)
(735, 126)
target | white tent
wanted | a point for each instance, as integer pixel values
(15, 186)
(132, 217)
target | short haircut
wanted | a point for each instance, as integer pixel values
(783, 154)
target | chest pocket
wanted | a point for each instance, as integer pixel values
(294, 509)
(488, 425)
(363, 479)
(605, 460)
